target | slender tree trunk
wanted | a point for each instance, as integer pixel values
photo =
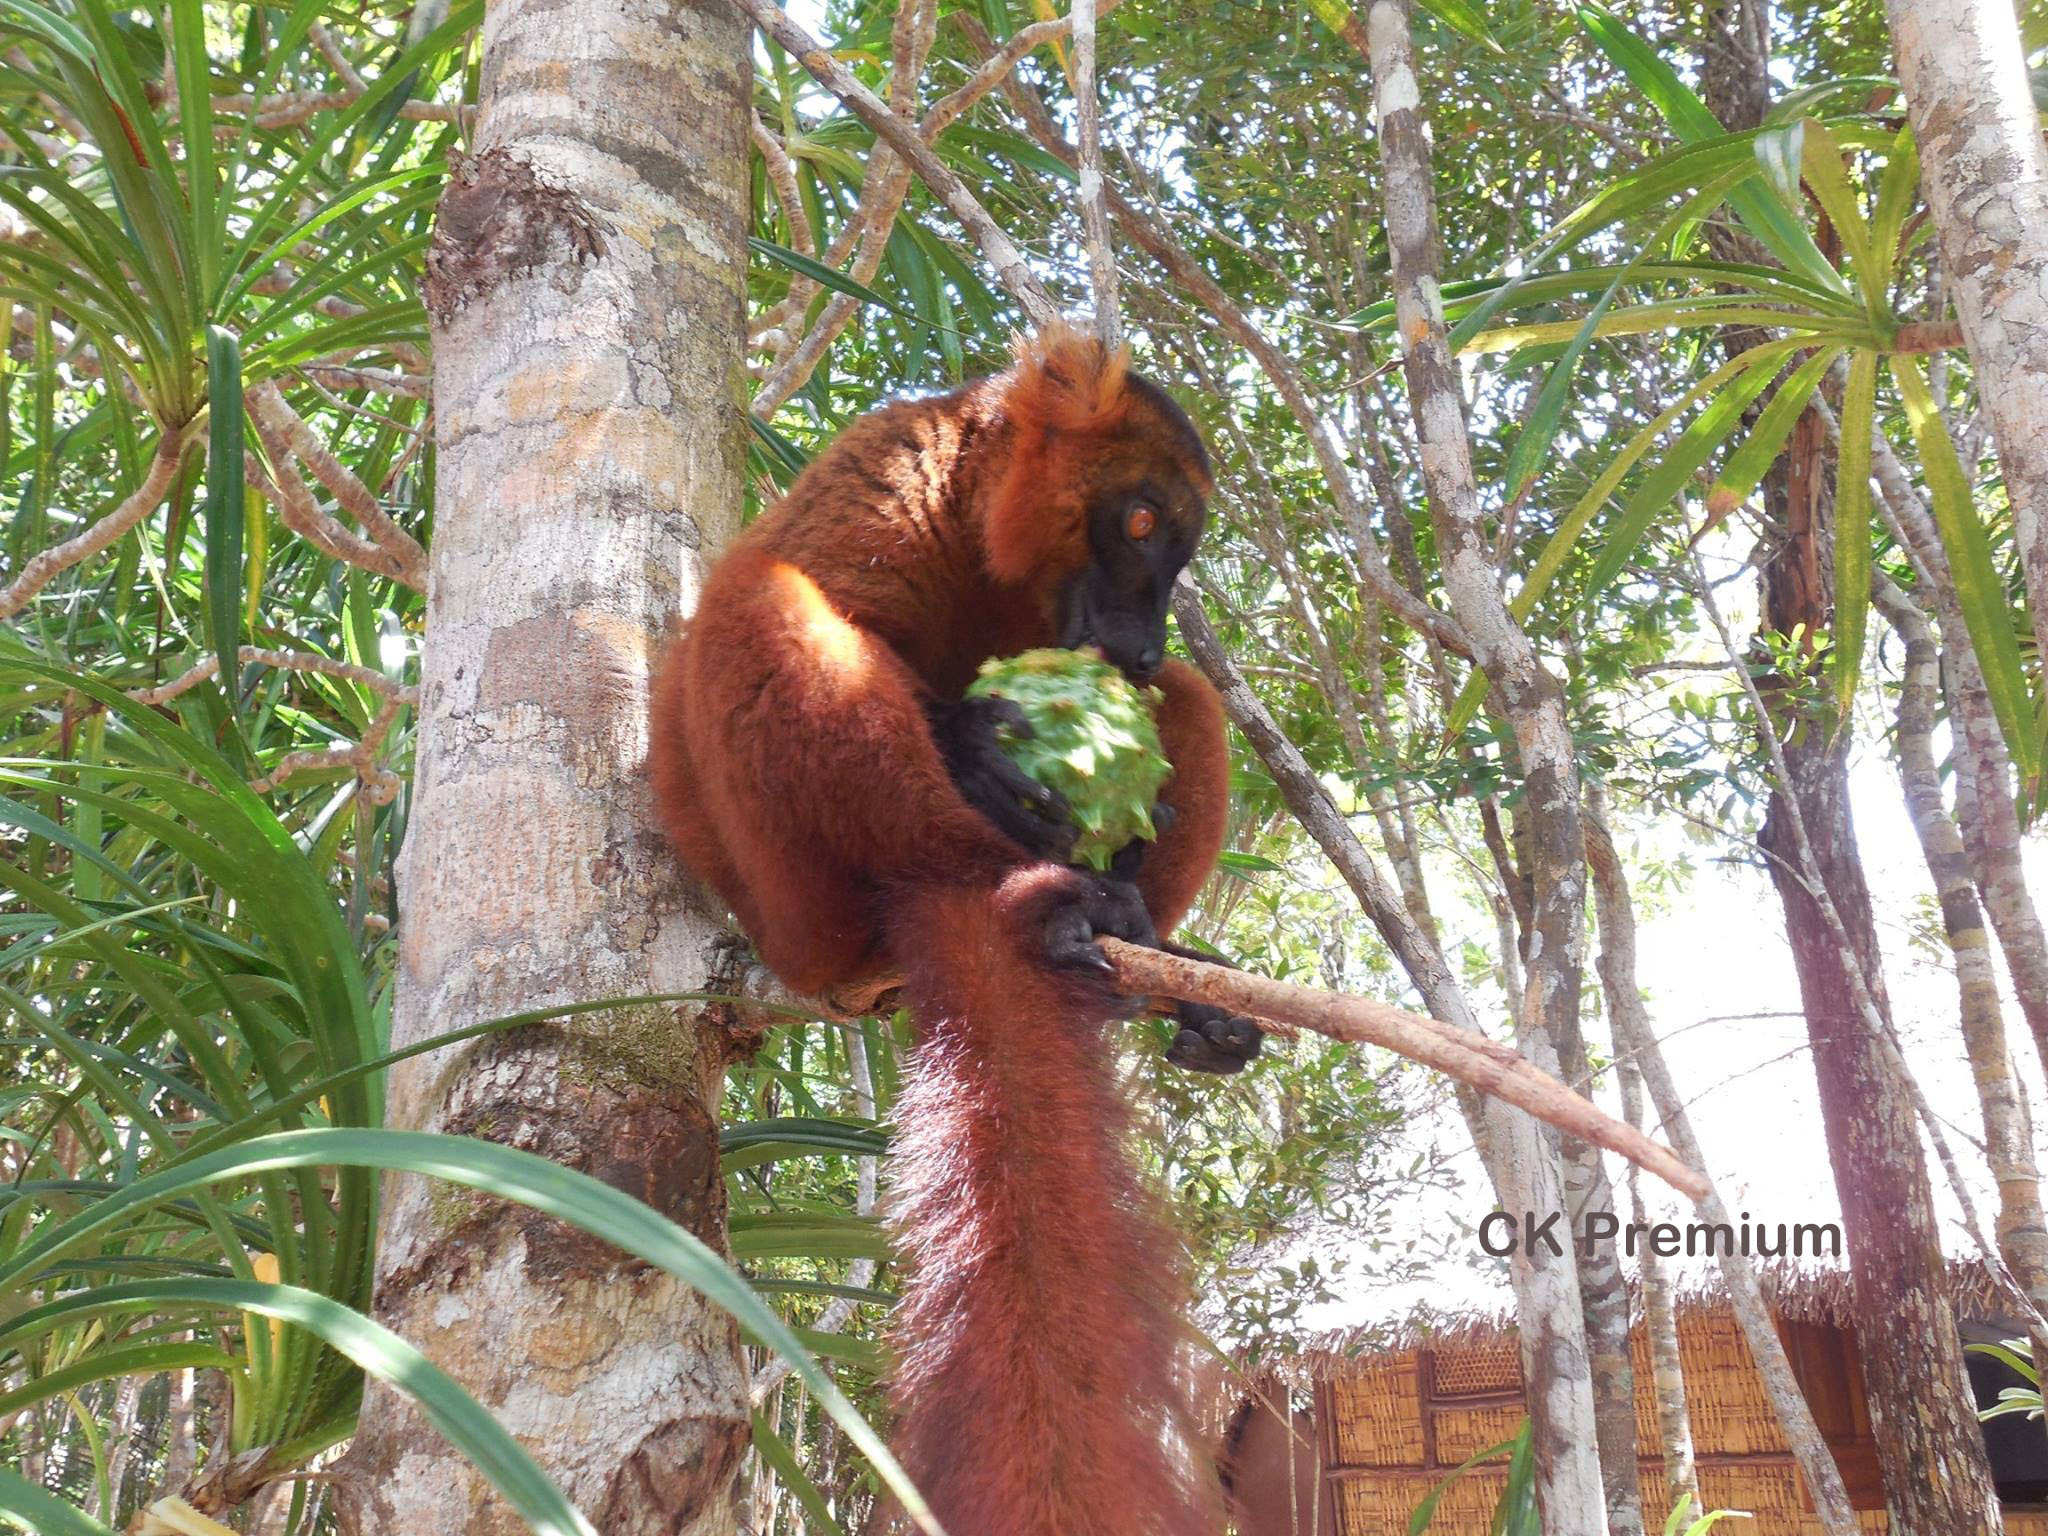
(1985, 812)
(1660, 1319)
(1634, 1039)
(586, 288)
(1929, 1445)
(2008, 1136)
(1558, 1378)
(1985, 173)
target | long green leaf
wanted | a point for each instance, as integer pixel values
(510, 1174)
(1986, 612)
(187, 42)
(1695, 445)
(105, 1364)
(41, 1513)
(1763, 215)
(370, 1345)
(781, 1460)
(226, 516)
(1748, 465)
(839, 282)
(1828, 175)
(1764, 358)
(1853, 533)
(1532, 444)
(1896, 190)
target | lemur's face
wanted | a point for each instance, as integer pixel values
(1145, 517)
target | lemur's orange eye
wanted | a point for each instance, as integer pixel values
(1141, 522)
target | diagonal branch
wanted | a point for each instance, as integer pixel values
(278, 423)
(1490, 1066)
(299, 512)
(903, 137)
(41, 567)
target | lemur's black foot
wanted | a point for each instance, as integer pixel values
(1098, 906)
(1212, 1039)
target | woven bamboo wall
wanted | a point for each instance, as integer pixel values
(1395, 1424)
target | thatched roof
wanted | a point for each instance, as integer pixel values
(1802, 1293)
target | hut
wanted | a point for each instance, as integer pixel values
(1380, 1417)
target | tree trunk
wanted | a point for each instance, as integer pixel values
(2008, 1134)
(1929, 1446)
(586, 285)
(1985, 811)
(1558, 1379)
(1634, 1040)
(1985, 175)
(1660, 1323)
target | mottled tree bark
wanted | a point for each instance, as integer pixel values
(1660, 1316)
(1575, 1489)
(1929, 1445)
(2022, 1233)
(1634, 1040)
(585, 285)
(1985, 174)
(1986, 814)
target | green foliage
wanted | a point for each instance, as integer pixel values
(2018, 1355)
(1682, 1522)
(1091, 738)
(1514, 1511)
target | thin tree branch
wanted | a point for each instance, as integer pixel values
(295, 661)
(1493, 1068)
(41, 567)
(380, 785)
(300, 513)
(277, 421)
(902, 137)
(1094, 208)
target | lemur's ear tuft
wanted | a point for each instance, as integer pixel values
(1065, 379)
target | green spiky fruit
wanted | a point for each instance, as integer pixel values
(1092, 739)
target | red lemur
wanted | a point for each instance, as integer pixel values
(816, 764)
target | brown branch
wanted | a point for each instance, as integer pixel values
(301, 513)
(782, 177)
(903, 137)
(278, 423)
(379, 381)
(1491, 1067)
(380, 785)
(1924, 336)
(295, 661)
(44, 565)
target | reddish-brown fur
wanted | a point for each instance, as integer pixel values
(798, 776)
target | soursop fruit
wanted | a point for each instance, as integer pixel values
(1093, 740)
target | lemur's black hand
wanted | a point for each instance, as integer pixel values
(1029, 814)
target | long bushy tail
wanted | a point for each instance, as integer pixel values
(1035, 1386)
